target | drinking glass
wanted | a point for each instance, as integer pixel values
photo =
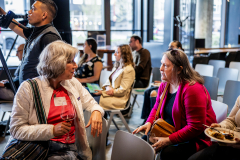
(68, 114)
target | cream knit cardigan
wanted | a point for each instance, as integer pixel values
(233, 120)
(24, 124)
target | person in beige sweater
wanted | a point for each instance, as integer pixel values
(224, 151)
(116, 90)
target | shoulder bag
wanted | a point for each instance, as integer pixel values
(18, 149)
(160, 127)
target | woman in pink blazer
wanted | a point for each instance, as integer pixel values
(186, 106)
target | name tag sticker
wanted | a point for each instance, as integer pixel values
(59, 101)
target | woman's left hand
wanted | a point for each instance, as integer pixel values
(110, 91)
(161, 142)
(96, 122)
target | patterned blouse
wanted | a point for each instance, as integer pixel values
(87, 69)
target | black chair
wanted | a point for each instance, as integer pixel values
(3, 75)
(237, 57)
(217, 56)
(156, 74)
(231, 56)
(200, 60)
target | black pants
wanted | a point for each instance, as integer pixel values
(217, 152)
(147, 103)
(141, 83)
(181, 151)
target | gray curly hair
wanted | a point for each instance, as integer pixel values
(54, 58)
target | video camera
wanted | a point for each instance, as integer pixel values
(5, 20)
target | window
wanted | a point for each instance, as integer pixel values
(158, 21)
(85, 15)
(121, 21)
(216, 28)
(7, 36)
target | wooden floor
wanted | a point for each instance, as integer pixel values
(133, 122)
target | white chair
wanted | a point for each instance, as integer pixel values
(204, 69)
(127, 146)
(231, 93)
(235, 65)
(220, 110)
(97, 144)
(216, 64)
(6, 106)
(211, 84)
(113, 112)
(225, 74)
(103, 77)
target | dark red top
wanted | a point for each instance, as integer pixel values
(55, 118)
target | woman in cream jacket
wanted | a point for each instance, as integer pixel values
(116, 90)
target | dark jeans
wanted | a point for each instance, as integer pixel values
(61, 151)
(181, 151)
(217, 152)
(141, 83)
(97, 99)
(148, 102)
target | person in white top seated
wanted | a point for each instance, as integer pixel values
(56, 82)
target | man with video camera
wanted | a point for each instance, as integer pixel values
(38, 37)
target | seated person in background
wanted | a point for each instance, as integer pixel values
(6, 92)
(90, 64)
(142, 60)
(151, 93)
(186, 106)
(56, 69)
(225, 151)
(116, 91)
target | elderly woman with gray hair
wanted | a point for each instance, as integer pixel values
(56, 86)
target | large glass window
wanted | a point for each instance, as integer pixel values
(232, 30)
(121, 21)
(216, 28)
(187, 28)
(85, 15)
(158, 21)
(7, 36)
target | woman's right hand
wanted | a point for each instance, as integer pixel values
(145, 127)
(98, 92)
(61, 129)
(215, 125)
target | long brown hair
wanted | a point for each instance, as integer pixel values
(93, 43)
(126, 56)
(180, 59)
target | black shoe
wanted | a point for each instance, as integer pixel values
(125, 112)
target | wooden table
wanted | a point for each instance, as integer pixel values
(109, 50)
(215, 50)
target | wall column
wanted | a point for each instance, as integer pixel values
(204, 21)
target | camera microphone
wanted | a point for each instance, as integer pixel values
(5, 20)
(21, 16)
